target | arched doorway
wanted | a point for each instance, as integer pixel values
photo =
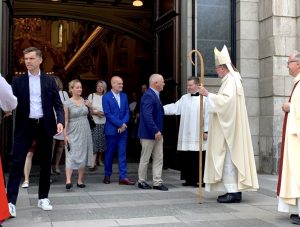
(135, 42)
(123, 47)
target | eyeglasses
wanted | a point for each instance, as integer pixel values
(291, 61)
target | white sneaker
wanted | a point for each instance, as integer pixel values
(44, 204)
(25, 184)
(12, 210)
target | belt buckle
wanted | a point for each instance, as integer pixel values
(36, 120)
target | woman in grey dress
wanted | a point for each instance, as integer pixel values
(78, 139)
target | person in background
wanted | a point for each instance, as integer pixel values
(288, 188)
(58, 140)
(99, 119)
(28, 164)
(144, 88)
(150, 134)
(133, 127)
(116, 110)
(135, 144)
(77, 135)
(38, 100)
(188, 107)
(229, 163)
(8, 102)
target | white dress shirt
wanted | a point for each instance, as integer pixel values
(36, 110)
(117, 97)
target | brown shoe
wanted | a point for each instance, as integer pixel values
(126, 181)
(106, 180)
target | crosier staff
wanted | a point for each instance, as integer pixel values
(201, 117)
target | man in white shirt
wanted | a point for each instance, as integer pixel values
(38, 98)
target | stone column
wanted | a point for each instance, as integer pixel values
(277, 39)
(247, 36)
(186, 41)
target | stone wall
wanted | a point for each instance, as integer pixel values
(247, 39)
(277, 39)
(267, 31)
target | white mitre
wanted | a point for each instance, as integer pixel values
(223, 58)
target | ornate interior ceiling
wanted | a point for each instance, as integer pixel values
(114, 14)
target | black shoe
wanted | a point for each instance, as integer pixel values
(238, 195)
(106, 180)
(296, 220)
(92, 169)
(161, 187)
(230, 198)
(221, 196)
(294, 216)
(80, 185)
(69, 186)
(190, 184)
(144, 185)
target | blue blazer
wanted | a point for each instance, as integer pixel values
(50, 102)
(151, 115)
(115, 116)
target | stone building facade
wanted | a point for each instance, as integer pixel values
(267, 31)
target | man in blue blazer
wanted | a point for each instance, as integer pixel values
(38, 98)
(116, 110)
(150, 134)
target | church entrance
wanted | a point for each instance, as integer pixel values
(94, 40)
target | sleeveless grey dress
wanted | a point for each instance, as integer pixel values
(80, 138)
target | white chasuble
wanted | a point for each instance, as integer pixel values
(229, 132)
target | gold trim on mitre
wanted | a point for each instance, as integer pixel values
(223, 58)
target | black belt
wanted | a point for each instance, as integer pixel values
(36, 120)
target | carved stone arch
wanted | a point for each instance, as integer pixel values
(136, 23)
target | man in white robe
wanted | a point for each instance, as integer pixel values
(7, 100)
(188, 107)
(288, 189)
(229, 164)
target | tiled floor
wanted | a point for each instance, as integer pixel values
(115, 205)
